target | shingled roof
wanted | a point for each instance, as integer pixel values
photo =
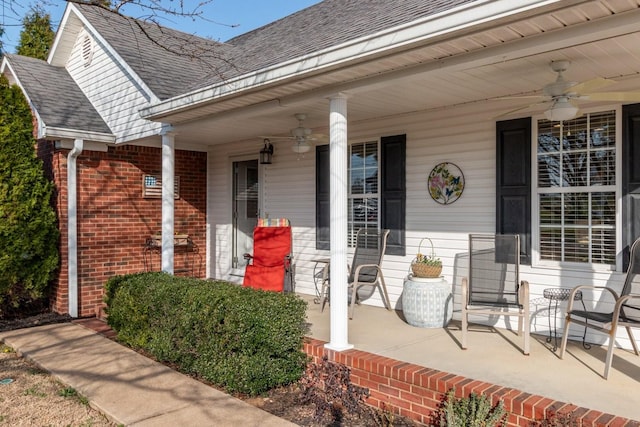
(171, 62)
(55, 96)
(325, 24)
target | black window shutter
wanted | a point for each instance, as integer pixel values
(322, 197)
(393, 191)
(513, 182)
(630, 179)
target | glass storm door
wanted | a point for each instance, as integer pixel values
(246, 190)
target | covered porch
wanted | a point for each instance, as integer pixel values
(492, 364)
(443, 83)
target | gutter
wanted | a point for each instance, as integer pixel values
(72, 225)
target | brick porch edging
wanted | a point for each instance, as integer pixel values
(414, 391)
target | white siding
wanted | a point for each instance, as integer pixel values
(112, 92)
(464, 136)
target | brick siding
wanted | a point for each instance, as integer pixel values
(114, 220)
(414, 391)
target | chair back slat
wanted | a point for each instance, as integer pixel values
(631, 310)
(370, 247)
(494, 264)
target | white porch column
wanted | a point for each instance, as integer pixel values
(168, 193)
(338, 184)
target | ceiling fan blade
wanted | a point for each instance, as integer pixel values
(508, 113)
(276, 137)
(318, 137)
(521, 97)
(613, 96)
(590, 85)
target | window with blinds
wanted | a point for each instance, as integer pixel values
(576, 189)
(363, 188)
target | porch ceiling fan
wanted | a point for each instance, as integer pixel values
(562, 96)
(301, 136)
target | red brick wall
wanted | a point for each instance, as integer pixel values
(45, 150)
(114, 220)
(415, 391)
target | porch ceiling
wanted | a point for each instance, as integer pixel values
(600, 38)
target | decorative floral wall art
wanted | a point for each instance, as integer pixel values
(446, 183)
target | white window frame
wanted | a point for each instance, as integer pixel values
(535, 200)
(351, 196)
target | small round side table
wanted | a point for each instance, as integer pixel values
(555, 295)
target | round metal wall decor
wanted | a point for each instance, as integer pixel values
(446, 183)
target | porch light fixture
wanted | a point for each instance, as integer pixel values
(561, 110)
(266, 153)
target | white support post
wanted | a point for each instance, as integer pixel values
(338, 184)
(168, 201)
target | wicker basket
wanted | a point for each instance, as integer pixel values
(420, 269)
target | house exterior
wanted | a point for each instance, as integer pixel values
(397, 88)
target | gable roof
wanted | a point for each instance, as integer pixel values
(325, 24)
(172, 62)
(168, 61)
(54, 95)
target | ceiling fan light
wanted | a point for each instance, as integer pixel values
(561, 110)
(301, 147)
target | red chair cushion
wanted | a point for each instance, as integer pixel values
(271, 245)
(265, 278)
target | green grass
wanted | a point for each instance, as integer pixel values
(33, 391)
(71, 393)
(68, 392)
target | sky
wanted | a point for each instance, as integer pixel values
(224, 18)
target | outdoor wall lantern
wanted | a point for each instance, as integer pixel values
(266, 153)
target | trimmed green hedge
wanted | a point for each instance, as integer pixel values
(245, 340)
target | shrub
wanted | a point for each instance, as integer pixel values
(245, 340)
(327, 385)
(472, 411)
(28, 227)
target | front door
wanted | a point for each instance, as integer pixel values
(246, 191)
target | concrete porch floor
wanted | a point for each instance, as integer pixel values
(495, 356)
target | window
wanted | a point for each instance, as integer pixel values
(576, 189)
(363, 188)
(376, 196)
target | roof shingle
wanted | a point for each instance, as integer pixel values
(55, 96)
(172, 62)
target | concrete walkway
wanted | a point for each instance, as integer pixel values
(127, 387)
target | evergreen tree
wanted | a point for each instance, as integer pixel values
(28, 226)
(36, 36)
(1, 34)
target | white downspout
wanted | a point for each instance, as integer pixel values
(338, 188)
(72, 225)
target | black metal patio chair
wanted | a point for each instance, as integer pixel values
(626, 310)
